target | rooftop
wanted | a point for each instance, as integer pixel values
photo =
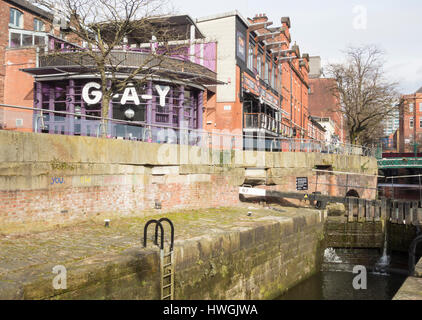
(222, 16)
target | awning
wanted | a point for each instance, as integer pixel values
(64, 71)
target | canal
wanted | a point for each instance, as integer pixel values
(335, 280)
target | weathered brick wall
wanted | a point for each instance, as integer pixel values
(57, 178)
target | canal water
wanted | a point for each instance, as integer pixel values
(335, 280)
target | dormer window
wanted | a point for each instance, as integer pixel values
(16, 18)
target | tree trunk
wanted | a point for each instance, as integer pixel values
(105, 104)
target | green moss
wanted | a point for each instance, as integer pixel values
(56, 164)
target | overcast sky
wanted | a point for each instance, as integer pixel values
(327, 27)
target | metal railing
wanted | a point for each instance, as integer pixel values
(261, 121)
(68, 123)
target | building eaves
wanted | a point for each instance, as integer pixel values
(222, 16)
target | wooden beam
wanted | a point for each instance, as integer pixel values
(259, 25)
(275, 44)
(266, 36)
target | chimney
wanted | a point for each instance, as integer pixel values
(285, 22)
(261, 17)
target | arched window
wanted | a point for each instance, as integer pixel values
(16, 18)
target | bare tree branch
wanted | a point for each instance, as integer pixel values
(366, 97)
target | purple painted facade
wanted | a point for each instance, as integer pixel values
(181, 104)
(148, 118)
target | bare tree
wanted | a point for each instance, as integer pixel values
(366, 97)
(104, 28)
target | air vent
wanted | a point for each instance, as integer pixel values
(19, 123)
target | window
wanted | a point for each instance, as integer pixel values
(23, 38)
(38, 25)
(420, 106)
(16, 18)
(267, 72)
(420, 122)
(251, 51)
(259, 66)
(411, 122)
(411, 107)
(273, 76)
(280, 84)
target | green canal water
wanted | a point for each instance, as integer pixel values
(335, 280)
(337, 285)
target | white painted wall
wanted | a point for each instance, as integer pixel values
(223, 30)
(329, 126)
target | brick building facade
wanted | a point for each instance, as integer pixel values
(267, 78)
(410, 128)
(22, 25)
(23, 28)
(323, 104)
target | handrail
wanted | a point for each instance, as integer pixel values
(338, 148)
(172, 232)
(158, 224)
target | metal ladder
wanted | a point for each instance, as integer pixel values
(166, 258)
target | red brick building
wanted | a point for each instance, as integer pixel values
(266, 76)
(23, 28)
(410, 129)
(323, 104)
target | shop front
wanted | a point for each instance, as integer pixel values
(154, 108)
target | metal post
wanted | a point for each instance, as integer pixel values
(392, 187)
(347, 184)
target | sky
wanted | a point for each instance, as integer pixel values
(326, 28)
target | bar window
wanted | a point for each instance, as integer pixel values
(411, 122)
(16, 18)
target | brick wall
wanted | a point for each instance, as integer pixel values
(58, 178)
(28, 24)
(410, 108)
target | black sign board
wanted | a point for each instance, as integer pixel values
(302, 184)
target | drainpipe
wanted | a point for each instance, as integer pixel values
(291, 100)
(414, 127)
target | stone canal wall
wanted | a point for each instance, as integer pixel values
(260, 263)
(244, 258)
(343, 234)
(59, 178)
(412, 287)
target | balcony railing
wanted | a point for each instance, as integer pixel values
(261, 121)
(128, 60)
(37, 120)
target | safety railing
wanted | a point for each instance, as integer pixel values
(27, 119)
(261, 121)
